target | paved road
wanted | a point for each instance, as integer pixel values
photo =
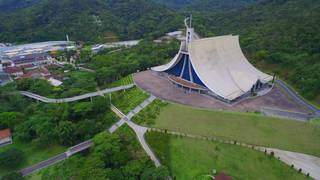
(43, 164)
(298, 99)
(75, 98)
(273, 112)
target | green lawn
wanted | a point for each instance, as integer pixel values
(33, 154)
(192, 159)
(127, 100)
(122, 82)
(250, 128)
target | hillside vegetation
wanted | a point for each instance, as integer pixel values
(86, 20)
(280, 36)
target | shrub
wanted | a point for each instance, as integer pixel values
(12, 176)
(11, 158)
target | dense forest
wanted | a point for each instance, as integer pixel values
(42, 126)
(278, 36)
(10, 5)
(87, 20)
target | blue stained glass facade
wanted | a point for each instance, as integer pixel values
(177, 70)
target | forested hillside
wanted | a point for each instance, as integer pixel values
(87, 20)
(280, 36)
(10, 5)
(207, 5)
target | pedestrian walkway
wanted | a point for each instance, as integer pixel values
(291, 115)
(305, 163)
(140, 131)
(75, 98)
(298, 99)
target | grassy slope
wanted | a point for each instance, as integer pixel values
(250, 128)
(127, 100)
(33, 154)
(189, 158)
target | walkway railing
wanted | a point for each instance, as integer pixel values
(75, 98)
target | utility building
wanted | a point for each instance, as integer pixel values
(215, 66)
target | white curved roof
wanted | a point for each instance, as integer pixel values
(221, 66)
(170, 64)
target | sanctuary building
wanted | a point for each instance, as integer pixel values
(215, 66)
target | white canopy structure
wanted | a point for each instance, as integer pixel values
(216, 63)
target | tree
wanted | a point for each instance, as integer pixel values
(100, 105)
(11, 158)
(66, 133)
(82, 109)
(85, 54)
(105, 75)
(46, 132)
(159, 173)
(10, 119)
(12, 176)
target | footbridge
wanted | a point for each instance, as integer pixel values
(75, 98)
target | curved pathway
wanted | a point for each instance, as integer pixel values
(75, 98)
(307, 163)
(297, 98)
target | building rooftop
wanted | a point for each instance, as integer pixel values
(222, 176)
(33, 46)
(14, 69)
(5, 133)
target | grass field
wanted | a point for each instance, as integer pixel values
(33, 153)
(122, 82)
(250, 128)
(127, 100)
(192, 159)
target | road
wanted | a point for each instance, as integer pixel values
(75, 98)
(274, 112)
(299, 99)
(43, 164)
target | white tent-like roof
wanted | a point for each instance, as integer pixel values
(221, 65)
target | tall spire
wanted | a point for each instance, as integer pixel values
(189, 29)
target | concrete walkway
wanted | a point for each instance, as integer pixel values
(139, 130)
(299, 99)
(53, 160)
(75, 98)
(307, 163)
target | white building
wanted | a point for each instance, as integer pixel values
(215, 66)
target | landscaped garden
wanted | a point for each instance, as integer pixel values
(127, 100)
(196, 159)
